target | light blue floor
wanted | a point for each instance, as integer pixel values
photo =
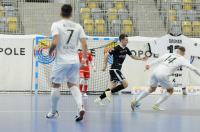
(26, 113)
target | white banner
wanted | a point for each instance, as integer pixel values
(16, 62)
(139, 79)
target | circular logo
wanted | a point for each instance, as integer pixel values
(41, 51)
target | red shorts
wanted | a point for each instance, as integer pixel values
(85, 72)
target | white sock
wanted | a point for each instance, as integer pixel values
(55, 95)
(142, 95)
(77, 96)
(163, 98)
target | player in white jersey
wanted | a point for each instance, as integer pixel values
(167, 64)
(168, 44)
(66, 35)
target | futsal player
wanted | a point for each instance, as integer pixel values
(66, 35)
(166, 65)
(117, 80)
(85, 72)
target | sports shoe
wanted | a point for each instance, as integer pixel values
(184, 92)
(51, 115)
(98, 101)
(85, 95)
(108, 95)
(134, 104)
(157, 108)
(80, 116)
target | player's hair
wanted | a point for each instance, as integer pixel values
(181, 48)
(66, 10)
(122, 36)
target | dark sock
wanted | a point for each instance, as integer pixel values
(118, 88)
(103, 95)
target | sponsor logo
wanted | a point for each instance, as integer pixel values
(41, 51)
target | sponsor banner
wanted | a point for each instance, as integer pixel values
(16, 54)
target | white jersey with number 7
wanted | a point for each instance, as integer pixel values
(69, 34)
(169, 63)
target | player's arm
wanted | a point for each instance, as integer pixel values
(157, 61)
(83, 41)
(105, 62)
(92, 62)
(84, 47)
(138, 58)
(191, 67)
(55, 33)
(135, 57)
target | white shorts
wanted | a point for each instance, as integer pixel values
(160, 79)
(65, 73)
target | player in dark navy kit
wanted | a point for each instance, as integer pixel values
(118, 81)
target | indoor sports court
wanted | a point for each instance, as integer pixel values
(99, 65)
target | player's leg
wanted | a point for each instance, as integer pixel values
(184, 91)
(103, 95)
(56, 79)
(55, 96)
(73, 80)
(118, 77)
(86, 77)
(166, 84)
(136, 102)
(81, 82)
(85, 87)
(153, 85)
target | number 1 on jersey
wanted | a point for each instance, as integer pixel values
(71, 33)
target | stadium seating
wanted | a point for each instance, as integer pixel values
(1, 11)
(12, 24)
(187, 5)
(112, 14)
(115, 27)
(89, 26)
(119, 5)
(107, 5)
(2, 24)
(10, 11)
(196, 28)
(84, 13)
(96, 13)
(123, 14)
(100, 27)
(187, 27)
(172, 15)
(92, 4)
(127, 26)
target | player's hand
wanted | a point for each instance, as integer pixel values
(52, 53)
(83, 62)
(147, 67)
(145, 58)
(104, 68)
(94, 69)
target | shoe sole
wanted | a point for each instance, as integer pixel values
(132, 106)
(81, 114)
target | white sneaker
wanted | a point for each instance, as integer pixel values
(157, 108)
(51, 115)
(135, 105)
(108, 95)
(81, 114)
(85, 95)
(98, 101)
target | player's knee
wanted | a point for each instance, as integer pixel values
(152, 89)
(70, 85)
(170, 91)
(55, 85)
(125, 84)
